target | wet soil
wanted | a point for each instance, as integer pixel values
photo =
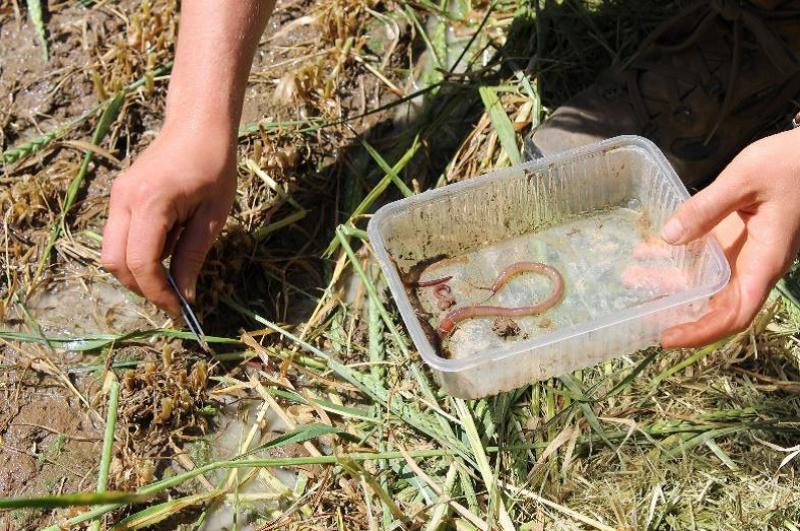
(39, 93)
(49, 441)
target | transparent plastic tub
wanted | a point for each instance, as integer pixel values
(592, 213)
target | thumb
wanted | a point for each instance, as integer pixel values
(705, 210)
(191, 250)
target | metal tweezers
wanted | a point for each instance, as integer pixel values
(189, 316)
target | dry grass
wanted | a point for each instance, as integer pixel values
(352, 103)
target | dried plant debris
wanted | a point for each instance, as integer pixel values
(161, 404)
(315, 411)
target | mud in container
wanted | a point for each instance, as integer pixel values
(594, 215)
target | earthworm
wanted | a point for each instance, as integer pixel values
(452, 319)
(432, 282)
(444, 295)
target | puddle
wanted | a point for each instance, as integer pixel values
(86, 305)
(263, 494)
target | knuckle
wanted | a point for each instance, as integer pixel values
(142, 193)
(118, 198)
(119, 183)
(740, 183)
(743, 173)
(163, 299)
(695, 204)
(737, 172)
(138, 266)
(120, 186)
(694, 207)
(751, 153)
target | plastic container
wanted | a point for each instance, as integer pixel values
(594, 214)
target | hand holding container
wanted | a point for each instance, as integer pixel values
(594, 214)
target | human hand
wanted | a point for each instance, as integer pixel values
(753, 209)
(173, 201)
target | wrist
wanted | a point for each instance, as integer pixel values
(204, 121)
(199, 101)
(209, 143)
(202, 118)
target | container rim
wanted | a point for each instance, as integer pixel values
(427, 350)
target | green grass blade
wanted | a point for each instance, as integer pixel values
(377, 351)
(394, 403)
(68, 500)
(425, 38)
(788, 290)
(720, 453)
(358, 471)
(162, 511)
(691, 360)
(108, 443)
(108, 439)
(119, 499)
(106, 119)
(303, 433)
(37, 19)
(631, 376)
(342, 233)
(103, 126)
(34, 145)
(575, 387)
(442, 505)
(330, 407)
(398, 182)
(468, 424)
(702, 438)
(501, 123)
(98, 341)
(262, 232)
(378, 190)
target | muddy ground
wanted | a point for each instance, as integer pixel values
(181, 408)
(50, 422)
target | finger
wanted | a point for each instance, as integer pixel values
(652, 248)
(143, 257)
(714, 325)
(736, 306)
(658, 280)
(192, 248)
(731, 234)
(115, 241)
(702, 212)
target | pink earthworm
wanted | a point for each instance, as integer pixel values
(448, 324)
(444, 295)
(432, 282)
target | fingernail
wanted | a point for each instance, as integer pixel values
(668, 342)
(672, 231)
(189, 292)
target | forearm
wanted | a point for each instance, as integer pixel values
(175, 198)
(216, 43)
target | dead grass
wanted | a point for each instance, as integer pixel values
(311, 361)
